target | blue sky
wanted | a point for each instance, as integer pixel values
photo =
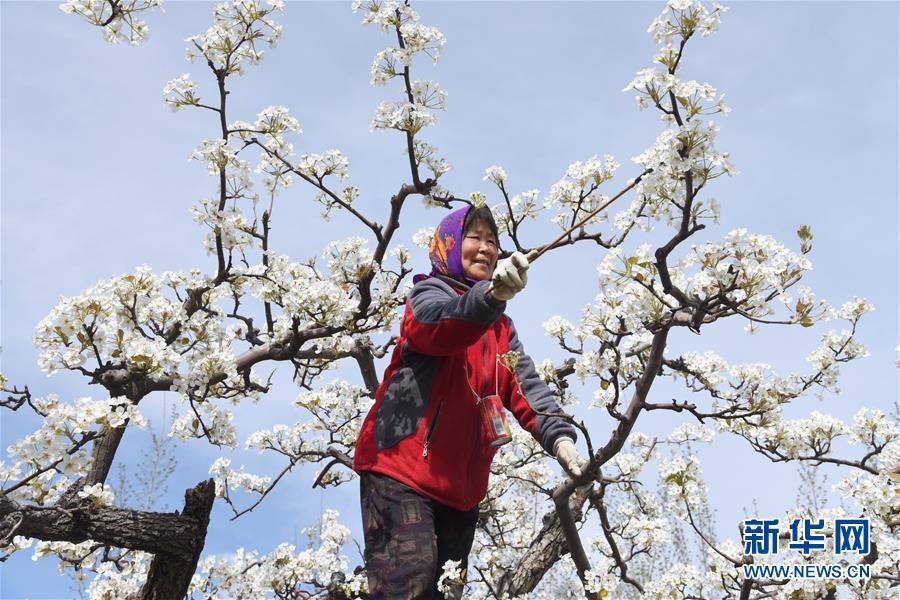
(95, 181)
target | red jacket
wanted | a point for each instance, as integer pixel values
(425, 427)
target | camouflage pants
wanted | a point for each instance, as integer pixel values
(409, 538)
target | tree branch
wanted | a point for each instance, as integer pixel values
(170, 533)
(170, 576)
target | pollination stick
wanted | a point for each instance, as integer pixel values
(537, 252)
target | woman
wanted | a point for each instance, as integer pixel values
(425, 448)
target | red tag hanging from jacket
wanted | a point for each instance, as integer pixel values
(493, 417)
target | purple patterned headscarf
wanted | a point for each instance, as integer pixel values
(445, 251)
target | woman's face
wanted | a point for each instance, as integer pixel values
(479, 251)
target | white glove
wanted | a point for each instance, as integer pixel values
(567, 455)
(510, 277)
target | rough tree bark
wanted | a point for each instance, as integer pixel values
(170, 573)
(175, 539)
(549, 546)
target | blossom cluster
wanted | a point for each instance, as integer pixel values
(513, 516)
(878, 496)
(425, 153)
(123, 578)
(753, 391)
(628, 464)
(654, 86)
(684, 157)
(338, 409)
(689, 432)
(385, 14)
(99, 494)
(416, 38)
(231, 40)
(209, 421)
(275, 121)
(228, 480)
(813, 436)
(307, 298)
(683, 484)
(624, 310)
(601, 580)
(646, 525)
(679, 582)
(181, 92)
(129, 321)
(219, 156)
(225, 47)
(349, 260)
(402, 116)
(749, 269)
(116, 19)
(422, 237)
(679, 152)
(513, 211)
(285, 571)
(421, 97)
(575, 194)
(743, 275)
(222, 216)
(682, 18)
(319, 166)
(227, 227)
(52, 457)
(451, 575)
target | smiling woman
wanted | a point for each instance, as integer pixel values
(444, 393)
(479, 244)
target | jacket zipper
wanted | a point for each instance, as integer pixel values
(431, 428)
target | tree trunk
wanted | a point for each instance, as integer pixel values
(104, 451)
(176, 540)
(548, 547)
(170, 573)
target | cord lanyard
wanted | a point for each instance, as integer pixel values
(493, 416)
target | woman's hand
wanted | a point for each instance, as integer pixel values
(568, 456)
(510, 277)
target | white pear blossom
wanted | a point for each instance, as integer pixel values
(227, 480)
(557, 327)
(385, 14)
(231, 40)
(451, 574)
(52, 457)
(284, 570)
(495, 174)
(688, 432)
(426, 154)
(518, 208)
(100, 494)
(429, 94)
(403, 116)
(123, 579)
(422, 237)
(181, 92)
(683, 485)
(575, 195)
(677, 581)
(115, 19)
(210, 421)
(421, 38)
(600, 580)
